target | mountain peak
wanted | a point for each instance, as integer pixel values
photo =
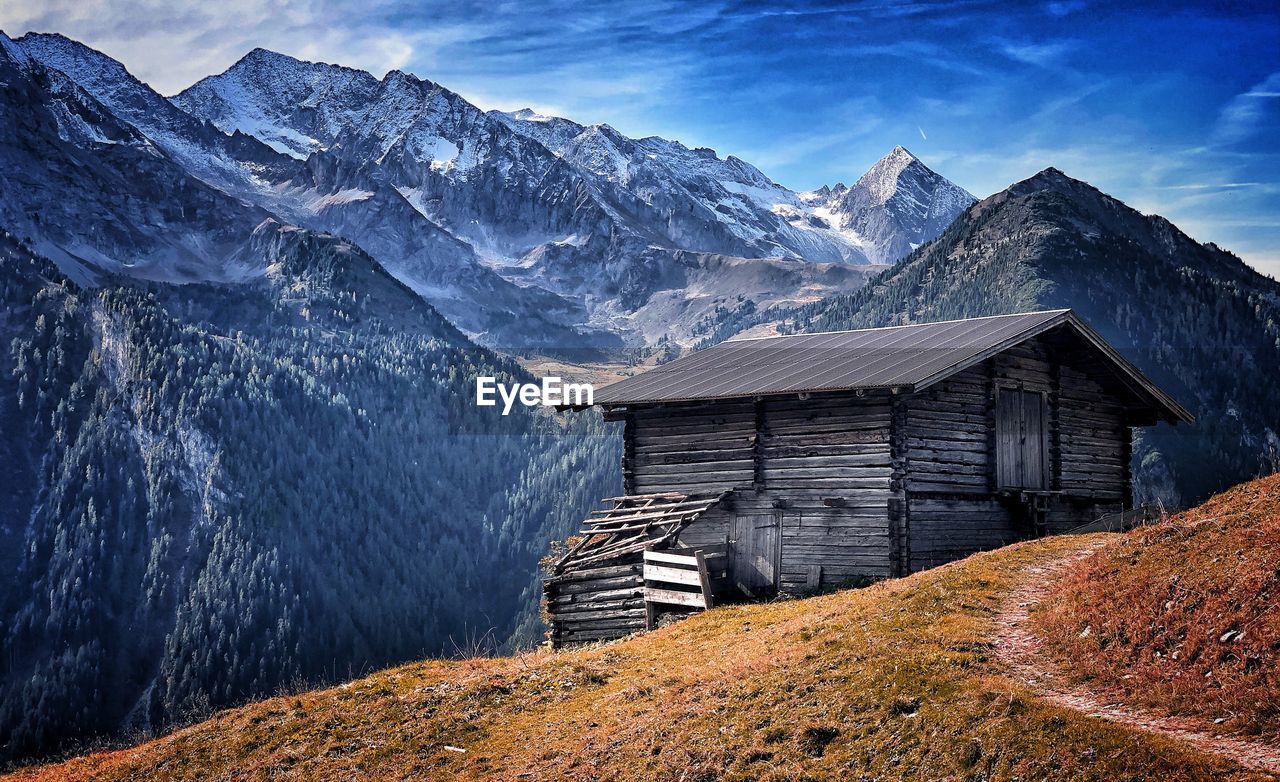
(397, 75)
(528, 115)
(883, 179)
(1079, 208)
(1053, 179)
(897, 205)
(278, 64)
(900, 152)
(292, 105)
(260, 55)
(34, 35)
(95, 71)
(1052, 174)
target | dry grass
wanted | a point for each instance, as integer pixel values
(1182, 616)
(896, 681)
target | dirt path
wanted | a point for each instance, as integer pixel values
(1018, 648)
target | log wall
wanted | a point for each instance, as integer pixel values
(827, 462)
(691, 448)
(598, 603)
(954, 507)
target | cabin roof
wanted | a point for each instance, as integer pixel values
(907, 358)
(634, 523)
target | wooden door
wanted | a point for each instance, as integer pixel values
(1022, 440)
(755, 553)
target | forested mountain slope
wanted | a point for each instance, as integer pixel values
(1194, 317)
(215, 490)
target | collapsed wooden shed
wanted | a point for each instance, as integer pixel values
(799, 462)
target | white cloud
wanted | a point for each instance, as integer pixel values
(1250, 113)
(170, 45)
(1040, 54)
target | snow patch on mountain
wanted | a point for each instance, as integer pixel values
(756, 216)
(201, 149)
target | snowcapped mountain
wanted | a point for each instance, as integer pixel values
(230, 162)
(246, 174)
(295, 107)
(528, 232)
(898, 205)
(705, 202)
(95, 194)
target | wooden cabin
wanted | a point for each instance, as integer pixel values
(796, 463)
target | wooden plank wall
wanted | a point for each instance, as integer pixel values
(950, 469)
(712, 528)
(597, 603)
(949, 435)
(944, 529)
(691, 448)
(827, 460)
(824, 475)
(1067, 513)
(1093, 436)
(952, 509)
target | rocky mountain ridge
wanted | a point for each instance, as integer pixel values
(581, 236)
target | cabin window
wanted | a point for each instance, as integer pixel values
(1022, 439)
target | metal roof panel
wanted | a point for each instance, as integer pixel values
(867, 358)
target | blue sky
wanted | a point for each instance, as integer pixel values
(1175, 108)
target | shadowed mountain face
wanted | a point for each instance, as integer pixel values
(245, 181)
(93, 193)
(1194, 317)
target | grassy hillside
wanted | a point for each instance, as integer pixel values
(1182, 617)
(897, 681)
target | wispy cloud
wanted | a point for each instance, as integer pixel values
(1043, 54)
(1254, 111)
(170, 45)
